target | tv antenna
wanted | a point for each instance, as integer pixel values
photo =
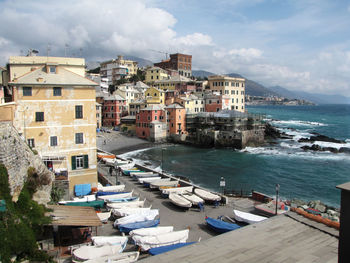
(48, 49)
(66, 46)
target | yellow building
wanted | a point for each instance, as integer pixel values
(155, 73)
(192, 103)
(116, 69)
(56, 114)
(172, 83)
(232, 88)
(155, 96)
(136, 106)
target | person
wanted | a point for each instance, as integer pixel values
(104, 141)
(110, 171)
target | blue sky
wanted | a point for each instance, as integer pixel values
(300, 44)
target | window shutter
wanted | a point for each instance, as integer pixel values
(86, 161)
(74, 163)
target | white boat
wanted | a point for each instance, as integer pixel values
(149, 179)
(151, 231)
(178, 190)
(112, 188)
(148, 242)
(126, 204)
(125, 211)
(148, 215)
(179, 200)
(124, 200)
(247, 217)
(145, 182)
(127, 166)
(87, 252)
(207, 196)
(115, 196)
(194, 199)
(160, 183)
(86, 198)
(140, 174)
(126, 257)
(110, 240)
(104, 216)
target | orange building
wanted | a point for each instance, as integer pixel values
(176, 118)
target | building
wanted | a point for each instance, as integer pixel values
(155, 96)
(232, 88)
(180, 62)
(98, 115)
(176, 119)
(55, 112)
(114, 107)
(179, 83)
(154, 74)
(136, 106)
(119, 68)
(129, 92)
(213, 102)
(191, 103)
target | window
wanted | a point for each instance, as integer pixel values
(31, 143)
(52, 69)
(149, 118)
(209, 101)
(78, 111)
(151, 77)
(39, 116)
(79, 138)
(112, 108)
(155, 118)
(53, 141)
(218, 102)
(57, 91)
(80, 162)
(27, 91)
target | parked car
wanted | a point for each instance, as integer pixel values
(116, 128)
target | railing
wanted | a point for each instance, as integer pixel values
(238, 192)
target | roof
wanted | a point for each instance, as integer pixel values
(177, 78)
(114, 97)
(64, 215)
(278, 239)
(175, 106)
(129, 117)
(345, 186)
(62, 77)
(154, 107)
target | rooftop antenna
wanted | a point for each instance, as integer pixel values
(48, 49)
(81, 52)
(66, 46)
(32, 52)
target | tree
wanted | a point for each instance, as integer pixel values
(95, 70)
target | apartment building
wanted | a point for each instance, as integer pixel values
(114, 108)
(119, 68)
(176, 119)
(180, 62)
(155, 96)
(154, 74)
(55, 112)
(232, 89)
(192, 103)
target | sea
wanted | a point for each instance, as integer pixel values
(305, 175)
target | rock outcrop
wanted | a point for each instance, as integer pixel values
(17, 157)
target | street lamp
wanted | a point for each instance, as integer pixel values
(161, 165)
(222, 184)
(277, 190)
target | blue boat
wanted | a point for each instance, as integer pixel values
(122, 200)
(127, 172)
(159, 250)
(220, 226)
(126, 228)
(109, 193)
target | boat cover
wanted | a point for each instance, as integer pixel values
(125, 257)
(178, 190)
(159, 250)
(123, 200)
(95, 204)
(112, 188)
(92, 252)
(125, 211)
(82, 189)
(153, 231)
(126, 204)
(179, 200)
(160, 183)
(129, 227)
(147, 215)
(115, 196)
(148, 179)
(194, 199)
(148, 242)
(247, 217)
(86, 198)
(101, 193)
(110, 240)
(206, 195)
(220, 226)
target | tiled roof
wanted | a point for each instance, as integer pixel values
(114, 97)
(175, 106)
(154, 107)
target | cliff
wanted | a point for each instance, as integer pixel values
(17, 157)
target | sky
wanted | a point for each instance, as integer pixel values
(297, 44)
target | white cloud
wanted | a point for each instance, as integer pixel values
(195, 39)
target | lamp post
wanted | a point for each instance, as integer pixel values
(222, 184)
(277, 190)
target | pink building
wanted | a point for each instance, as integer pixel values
(114, 107)
(213, 103)
(176, 118)
(148, 119)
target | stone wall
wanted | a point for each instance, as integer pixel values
(17, 157)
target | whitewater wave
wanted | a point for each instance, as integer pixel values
(133, 153)
(298, 123)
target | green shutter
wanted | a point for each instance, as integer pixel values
(86, 161)
(74, 162)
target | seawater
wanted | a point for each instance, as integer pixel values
(301, 174)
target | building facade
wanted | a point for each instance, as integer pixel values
(180, 62)
(154, 74)
(146, 120)
(117, 69)
(176, 119)
(114, 108)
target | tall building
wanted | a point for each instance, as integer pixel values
(55, 112)
(180, 62)
(119, 68)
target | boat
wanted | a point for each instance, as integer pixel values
(247, 217)
(95, 204)
(109, 240)
(269, 209)
(126, 204)
(177, 190)
(105, 155)
(148, 175)
(129, 227)
(123, 200)
(160, 250)
(220, 226)
(194, 199)
(207, 196)
(147, 183)
(148, 179)
(147, 215)
(86, 198)
(115, 196)
(125, 211)
(141, 174)
(158, 184)
(128, 166)
(125, 257)
(112, 188)
(88, 252)
(148, 242)
(104, 216)
(127, 172)
(178, 200)
(100, 193)
(152, 231)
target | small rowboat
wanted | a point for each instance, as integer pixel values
(86, 198)
(220, 226)
(109, 193)
(112, 188)
(129, 227)
(126, 257)
(115, 196)
(104, 216)
(153, 231)
(177, 190)
(148, 179)
(160, 250)
(125, 211)
(141, 174)
(123, 200)
(207, 196)
(127, 172)
(94, 252)
(247, 217)
(148, 242)
(109, 240)
(179, 200)
(194, 199)
(158, 184)
(95, 204)
(105, 155)
(134, 218)
(126, 204)
(147, 183)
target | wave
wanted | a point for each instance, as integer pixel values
(298, 123)
(133, 153)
